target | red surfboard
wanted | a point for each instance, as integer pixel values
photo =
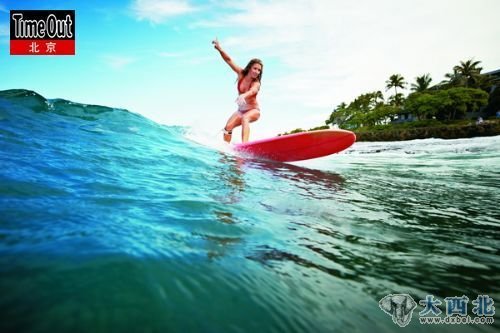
(298, 146)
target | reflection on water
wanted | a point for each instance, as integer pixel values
(384, 231)
(298, 174)
(218, 246)
(233, 179)
(313, 183)
(310, 183)
(232, 182)
(224, 217)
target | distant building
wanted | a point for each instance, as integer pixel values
(406, 117)
(494, 73)
(403, 118)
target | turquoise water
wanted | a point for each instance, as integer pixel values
(110, 222)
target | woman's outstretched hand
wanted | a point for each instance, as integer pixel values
(216, 44)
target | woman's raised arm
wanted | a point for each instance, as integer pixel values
(227, 58)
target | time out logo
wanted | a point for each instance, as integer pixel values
(42, 32)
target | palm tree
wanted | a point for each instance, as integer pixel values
(469, 70)
(396, 100)
(422, 83)
(378, 97)
(454, 79)
(395, 81)
(341, 106)
(338, 115)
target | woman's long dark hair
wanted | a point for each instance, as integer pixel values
(249, 66)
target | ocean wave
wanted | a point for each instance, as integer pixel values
(106, 215)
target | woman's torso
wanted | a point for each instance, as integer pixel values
(251, 100)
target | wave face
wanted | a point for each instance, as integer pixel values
(111, 222)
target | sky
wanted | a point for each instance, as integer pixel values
(155, 57)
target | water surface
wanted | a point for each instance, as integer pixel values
(111, 222)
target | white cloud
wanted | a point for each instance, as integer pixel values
(335, 50)
(157, 11)
(190, 57)
(118, 62)
(305, 36)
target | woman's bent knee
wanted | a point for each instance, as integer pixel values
(250, 116)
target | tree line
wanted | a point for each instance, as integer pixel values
(464, 90)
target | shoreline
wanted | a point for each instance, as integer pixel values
(487, 128)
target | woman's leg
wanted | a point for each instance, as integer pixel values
(248, 117)
(233, 121)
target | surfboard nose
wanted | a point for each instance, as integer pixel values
(299, 146)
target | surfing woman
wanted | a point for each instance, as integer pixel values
(248, 87)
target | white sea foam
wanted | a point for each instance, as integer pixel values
(210, 138)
